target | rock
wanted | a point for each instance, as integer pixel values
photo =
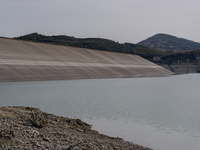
(5, 137)
(30, 128)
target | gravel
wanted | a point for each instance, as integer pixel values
(30, 128)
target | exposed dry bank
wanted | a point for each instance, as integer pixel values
(30, 128)
(31, 61)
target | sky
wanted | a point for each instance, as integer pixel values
(118, 20)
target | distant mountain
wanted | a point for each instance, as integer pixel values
(166, 42)
(94, 43)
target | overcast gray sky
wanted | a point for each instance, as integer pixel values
(118, 20)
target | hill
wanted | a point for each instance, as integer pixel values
(165, 42)
(94, 43)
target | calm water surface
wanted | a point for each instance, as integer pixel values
(161, 113)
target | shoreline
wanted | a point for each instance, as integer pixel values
(30, 128)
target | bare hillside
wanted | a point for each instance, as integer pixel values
(30, 61)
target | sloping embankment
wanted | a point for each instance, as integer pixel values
(30, 61)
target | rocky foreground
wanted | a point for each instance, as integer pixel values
(30, 128)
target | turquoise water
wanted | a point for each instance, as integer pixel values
(161, 113)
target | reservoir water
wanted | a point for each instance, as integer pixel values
(162, 113)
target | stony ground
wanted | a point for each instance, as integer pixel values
(30, 128)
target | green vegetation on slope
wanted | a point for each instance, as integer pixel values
(169, 42)
(192, 53)
(94, 43)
